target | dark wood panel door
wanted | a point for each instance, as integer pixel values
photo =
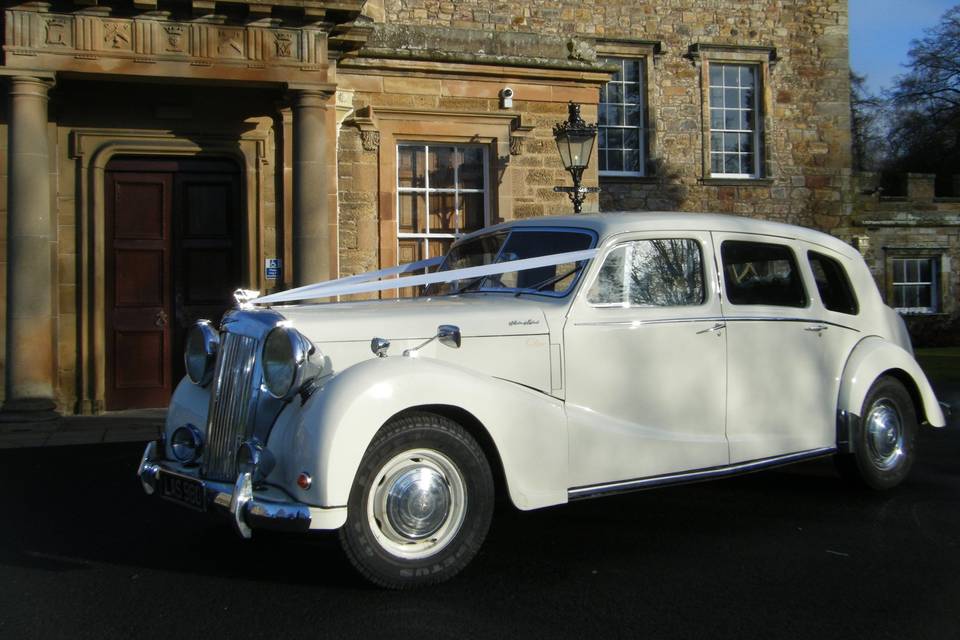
(173, 257)
(139, 244)
(207, 253)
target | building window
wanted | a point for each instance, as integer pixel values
(621, 120)
(441, 194)
(915, 285)
(734, 121)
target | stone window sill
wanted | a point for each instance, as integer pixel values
(628, 179)
(737, 182)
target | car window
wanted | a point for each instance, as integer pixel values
(651, 273)
(761, 273)
(833, 284)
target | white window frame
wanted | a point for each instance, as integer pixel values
(756, 132)
(933, 283)
(642, 104)
(426, 191)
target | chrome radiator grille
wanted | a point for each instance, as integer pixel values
(229, 417)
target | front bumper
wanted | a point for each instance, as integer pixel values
(247, 509)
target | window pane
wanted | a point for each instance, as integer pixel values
(411, 166)
(614, 161)
(471, 212)
(471, 168)
(716, 163)
(442, 162)
(615, 92)
(731, 120)
(412, 213)
(832, 284)
(762, 274)
(716, 98)
(716, 142)
(729, 142)
(716, 74)
(731, 98)
(632, 68)
(608, 287)
(614, 138)
(731, 163)
(716, 119)
(665, 273)
(746, 142)
(631, 161)
(632, 93)
(912, 271)
(442, 212)
(731, 76)
(633, 115)
(602, 159)
(747, 76)
(924, 266)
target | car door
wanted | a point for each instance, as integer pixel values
(779, 398)
(645, 360)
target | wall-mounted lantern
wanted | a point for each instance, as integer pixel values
(575, 140)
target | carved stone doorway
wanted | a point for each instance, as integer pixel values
(173, 231)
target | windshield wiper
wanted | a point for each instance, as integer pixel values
(551, 280)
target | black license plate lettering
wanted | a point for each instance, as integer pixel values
(185, 491)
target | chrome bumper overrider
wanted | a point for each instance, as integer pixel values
(238, 501)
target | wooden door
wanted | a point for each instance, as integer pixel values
(138, 288)
(173, 257)
(207, 266)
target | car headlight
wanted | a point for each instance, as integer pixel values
(200, 355)
(285, 354)
(187, 444)
(255, 459)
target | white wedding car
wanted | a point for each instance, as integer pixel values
(554, 359)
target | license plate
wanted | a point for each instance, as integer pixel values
(185, 491)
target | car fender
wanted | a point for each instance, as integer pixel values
(328, 436)
(871, 358)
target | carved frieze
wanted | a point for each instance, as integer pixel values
(41, 40)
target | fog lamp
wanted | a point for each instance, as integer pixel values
(187, 444)
(255, 459)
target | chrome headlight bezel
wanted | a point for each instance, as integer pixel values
(200, 352)
(186, 444)
(284, 358)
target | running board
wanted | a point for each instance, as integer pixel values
(592, 491)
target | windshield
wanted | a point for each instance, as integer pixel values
(517, 244)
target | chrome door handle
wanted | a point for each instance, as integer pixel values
(716, 327)
(817, 328)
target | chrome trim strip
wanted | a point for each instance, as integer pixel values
(696, 476)
(640, 323)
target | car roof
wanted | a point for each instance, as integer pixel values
(617, 222)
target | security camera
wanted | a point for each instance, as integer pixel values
(506, 98)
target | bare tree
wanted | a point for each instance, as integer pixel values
(866, 120)
(925, 119)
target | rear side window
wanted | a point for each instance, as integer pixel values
(651, 273)
(833, 284)
(761, 273)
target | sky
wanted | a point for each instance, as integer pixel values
(881, 31)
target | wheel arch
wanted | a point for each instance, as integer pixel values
(522, 432)
(871, 359)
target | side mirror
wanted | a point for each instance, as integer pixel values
(449, 335)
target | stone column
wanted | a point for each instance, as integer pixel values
(313, 157)
(30, 337)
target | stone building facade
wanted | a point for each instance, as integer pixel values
(160, 153)
(912, 246)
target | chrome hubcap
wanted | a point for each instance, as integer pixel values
(885, 436)
(417, 503)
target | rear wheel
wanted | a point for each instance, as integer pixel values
(420, 505)
(885, 445)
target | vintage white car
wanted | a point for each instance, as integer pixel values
(554, 359)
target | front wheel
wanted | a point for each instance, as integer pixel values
(420, 505)
(886, 443)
